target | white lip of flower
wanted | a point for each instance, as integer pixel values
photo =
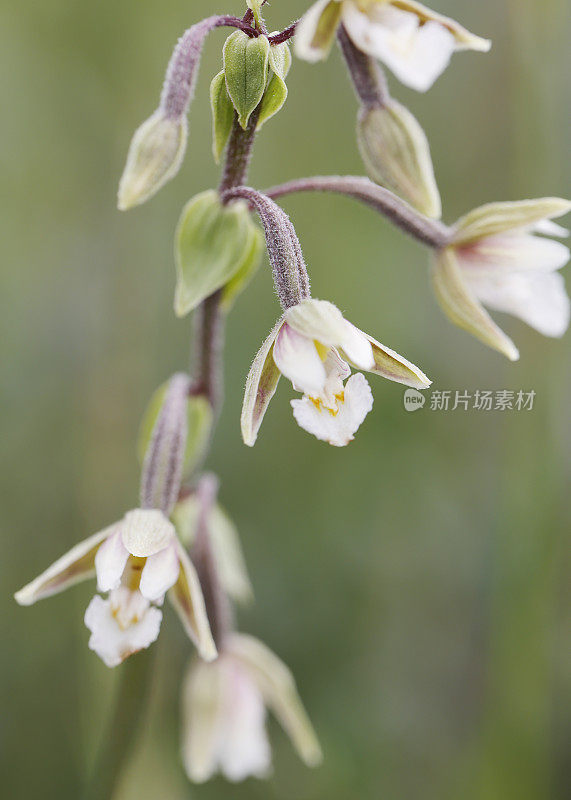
(137, 560)
(413, 41)
(224, 713)
(497, 259)
(311, 345)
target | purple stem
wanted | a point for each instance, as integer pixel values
(368, 78)
(428, 231)
(284, 250)
(182, 71)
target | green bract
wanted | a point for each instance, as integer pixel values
(217, 247)
(222, 114)
(246, 69)
(199, 415)
(276, 92)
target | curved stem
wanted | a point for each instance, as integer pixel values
(283, 36)
(116, 746)
(368, 78)
(428, 231)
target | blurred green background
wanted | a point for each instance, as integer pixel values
(414, 581)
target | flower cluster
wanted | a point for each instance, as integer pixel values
(179, 543)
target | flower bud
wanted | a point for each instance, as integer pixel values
(396, 154)
(155, 156)
(246, 69)
(217, 247)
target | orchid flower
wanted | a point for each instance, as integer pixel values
(137, 561)
(311, 345)
(224, 712)
(414, 42)
(496, 259)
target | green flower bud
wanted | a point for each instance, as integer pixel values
(246, 69)
(154, 157)
(222, 115)
(276, 92)
(396, 154)
(217, 247)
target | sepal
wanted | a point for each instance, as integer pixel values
(315, 32)
(261, 384)
(276, 91)
(222, 115)
(495, 218)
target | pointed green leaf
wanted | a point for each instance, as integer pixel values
(212, 243)
(246, 69)
(222, 115)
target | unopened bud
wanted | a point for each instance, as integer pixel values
(397, 155)
(246, 63)
(155, 156)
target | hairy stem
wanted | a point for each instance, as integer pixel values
(428, 231)
(116, 746)
(368, 78)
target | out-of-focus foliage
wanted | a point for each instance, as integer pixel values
(414, 581)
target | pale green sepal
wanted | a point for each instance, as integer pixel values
(496, 218)
(199, 419)
(246, 270)
(155, 155)
(464, 39)
(277, 685)
(188, 601)
(212, 242)
(396, 154)
(222, 115)
(261, 385)
(276, 92)
(315, 32)
(394, 367)
(246, 69)
(225, 541)
(75, 566)
(462, 308)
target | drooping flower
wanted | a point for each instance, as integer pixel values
(311, 345)
(224, 712)
(496, 259)
(414, 42)
(137, 561)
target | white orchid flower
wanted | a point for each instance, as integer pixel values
(137, 561)
(311, 345)
(414, 42)
(224, 713)
(497, 259)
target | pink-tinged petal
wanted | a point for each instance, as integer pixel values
(110, 562)
(159, 573)
(416, 54)
(336, 427)
(261, 385)
(519, 252)
(539, 299)
(297, 358)
(114, 642)
(187, 600)
(146, 531)
(75, 566)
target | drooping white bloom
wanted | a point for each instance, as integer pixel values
(414, 42)
(137, 561)
(224, 713)
(311, 345)
(497, 259)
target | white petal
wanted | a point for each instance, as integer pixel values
(539, 298)
(159, 573)
(416, 54)
(146, 531)
(297, 358)
(201, 719)
(356, 346)
(513, 251)
(336, 428)
(549, 228)
(112, 643)
(73, 567)
(110, 562)
(243, 748)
